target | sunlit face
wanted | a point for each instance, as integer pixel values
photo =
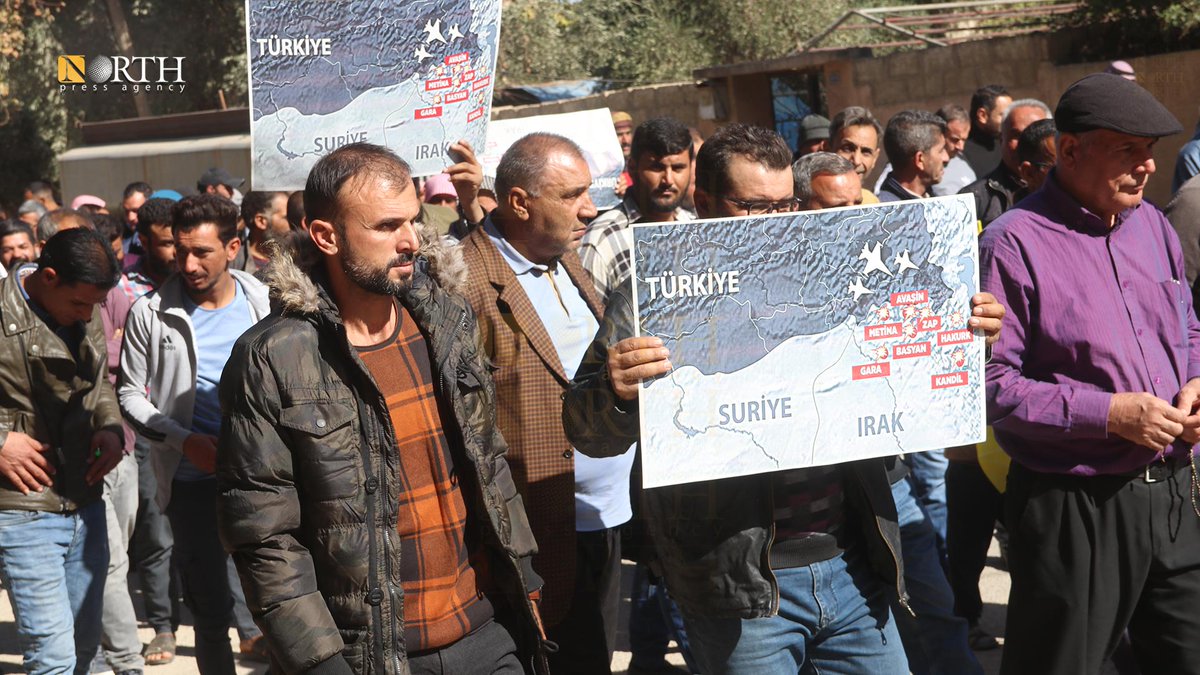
(160, 250)
(557, 214)
(1033, 174)
(990, 120)
(201, 259)
(935, 161)
(377, 239)
(661, 183)
(130, 205)
(956, 136)
(16, 246)
(830, 191)
(748, 181)
(1013, 126)
(1105, 170)
(860, 145)
(624, 137)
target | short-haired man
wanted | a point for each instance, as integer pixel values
(151, 541)
(132, 198)
(295, 211)
(42, 193)
(177, 341)
(538, 311)
(30, 212)
(365, 496)
(823, 180)
(264, 214)
(813, 135)
(915, 142)
(661, 167)
(769, 617)
(982, 149)
(855, 134)
(1037, 152)
(60, 434)
(1095, 400)
(16, 243)
(997, 191)
(219, 182)
(958, 173)
(53, 222)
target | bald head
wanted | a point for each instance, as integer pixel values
(525, 162)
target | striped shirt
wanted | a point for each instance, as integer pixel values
(606, 249)
(441, 578)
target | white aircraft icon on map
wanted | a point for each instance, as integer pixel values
(422, 54)
(455, 33)
(433, 30)
(874, 258)
(904, 262)
(858, 289)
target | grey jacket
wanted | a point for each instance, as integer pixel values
(712, 538)
(157, 389)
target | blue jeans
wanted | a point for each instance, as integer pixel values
(654, 620)
(54, 566)
(936, 641)
(927, 478)
(833, 618)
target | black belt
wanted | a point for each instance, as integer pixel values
(1160, 470)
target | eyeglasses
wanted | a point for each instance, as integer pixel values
(763, 208)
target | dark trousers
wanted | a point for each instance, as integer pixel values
(489, 650)
(587, 635)
(150, 551)
(973, 506)
(1090, 556)
(202, 569)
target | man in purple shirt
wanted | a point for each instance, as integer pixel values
(1093, 391)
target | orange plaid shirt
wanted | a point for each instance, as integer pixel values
(443, 598)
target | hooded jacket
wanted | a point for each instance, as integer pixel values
(158, 371)
(306, 472)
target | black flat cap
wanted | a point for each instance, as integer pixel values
(219, 176)
(1106, 101)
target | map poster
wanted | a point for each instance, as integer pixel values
(592, 130)
(414, 76)
(805, 339)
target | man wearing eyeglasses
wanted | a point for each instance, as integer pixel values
(998, 191)
(806, 540)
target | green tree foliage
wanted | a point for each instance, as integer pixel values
(1141, 27)
(39, 121)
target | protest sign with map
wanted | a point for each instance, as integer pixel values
(414, 76)
(806, 339)
(592, 131)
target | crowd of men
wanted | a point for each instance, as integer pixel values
(386, 425)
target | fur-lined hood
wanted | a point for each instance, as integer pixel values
(290, 279)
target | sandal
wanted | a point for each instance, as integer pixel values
(160, 651)
(255, 649)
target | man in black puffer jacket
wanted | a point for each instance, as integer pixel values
(364, 493)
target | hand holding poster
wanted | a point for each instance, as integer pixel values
(805, 339)
(413, 76)
(592, 130)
